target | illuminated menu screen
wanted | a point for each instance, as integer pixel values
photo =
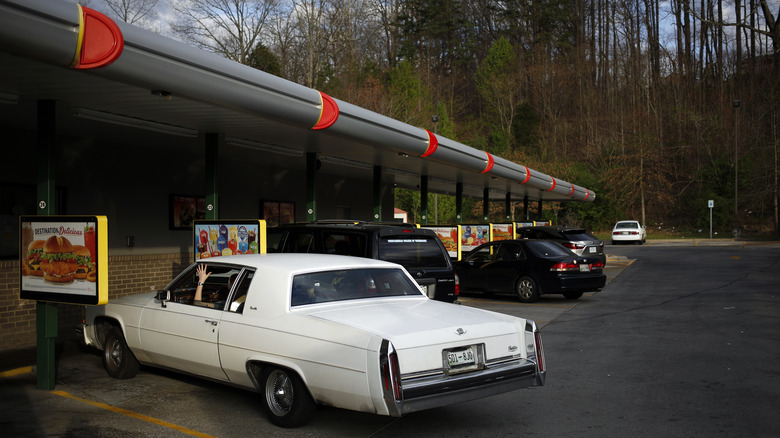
(217, 238)
(64, 259)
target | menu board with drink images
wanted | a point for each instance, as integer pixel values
(216, 238)
(64, 259)
(474, 235)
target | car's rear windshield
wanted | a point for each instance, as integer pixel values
(546, 248)
(579, 235)
(413, 251)
(351, 284)
(627, 225)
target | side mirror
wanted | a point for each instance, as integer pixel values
(163, 296)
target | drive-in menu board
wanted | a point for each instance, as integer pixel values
(215, 238)
(64, 259)
(449, 237)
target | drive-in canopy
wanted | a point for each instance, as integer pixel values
(119, 81)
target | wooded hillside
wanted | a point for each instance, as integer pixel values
(658, 106)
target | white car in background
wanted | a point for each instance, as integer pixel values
(629, 231)
(308, 329)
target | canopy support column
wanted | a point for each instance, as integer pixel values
(311, 193)
(377, 193)
(459, 203)
(424, 199)
(46, 313)
(525, 207)
(486, 205)
(213, 141)
(539, 215)
(508, 206)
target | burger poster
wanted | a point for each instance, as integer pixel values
(449, 237)
(64, 259)
(502, 232)
(216, 238)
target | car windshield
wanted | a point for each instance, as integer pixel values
(351, 284)
(413, 251)
(546, 248)
(627, 225)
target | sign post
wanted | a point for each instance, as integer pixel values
(63, 259)
(710, 204)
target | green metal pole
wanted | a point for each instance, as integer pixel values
(377, 193)
(459, 203)
(486, 204)
(508, 206)
(311, 193)
(539, 215)
(424, 199)
(525, 207)
(46, 313)
(212, 141)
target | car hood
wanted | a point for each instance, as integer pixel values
(410, 323)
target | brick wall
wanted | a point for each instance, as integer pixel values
(127, 275)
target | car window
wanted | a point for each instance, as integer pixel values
(215, 291)
(413, 252)
(351, 244)
(273, 240)
(535, 234)
(627, 225)
(545, 248)
(299, 242)
(351, 284)
(481, 254)
(509, 252)
(240, 292)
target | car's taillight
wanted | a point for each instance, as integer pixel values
(562, 267)
(597, 265)
(391, 375)
(572, 245)
(457, 285)
(539, 351)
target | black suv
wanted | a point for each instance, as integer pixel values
(418, 250)
(578, 240)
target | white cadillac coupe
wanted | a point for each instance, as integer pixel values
(308, 329)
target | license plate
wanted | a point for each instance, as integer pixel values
(625, 233)
(592, 249)
(462, 357)
(584, 268)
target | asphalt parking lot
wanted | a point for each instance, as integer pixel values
(683, 341)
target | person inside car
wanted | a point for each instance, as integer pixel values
(203, 275)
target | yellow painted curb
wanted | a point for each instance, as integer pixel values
(16, 372)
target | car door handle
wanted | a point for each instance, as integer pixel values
(211, 322)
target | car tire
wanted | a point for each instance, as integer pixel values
(285, 398)
(527, 290)
(572, 295)
(118, 360)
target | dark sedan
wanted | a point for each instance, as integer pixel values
(528, 269)
(578, 240)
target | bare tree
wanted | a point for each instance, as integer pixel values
(138, 12)
(231, 28)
